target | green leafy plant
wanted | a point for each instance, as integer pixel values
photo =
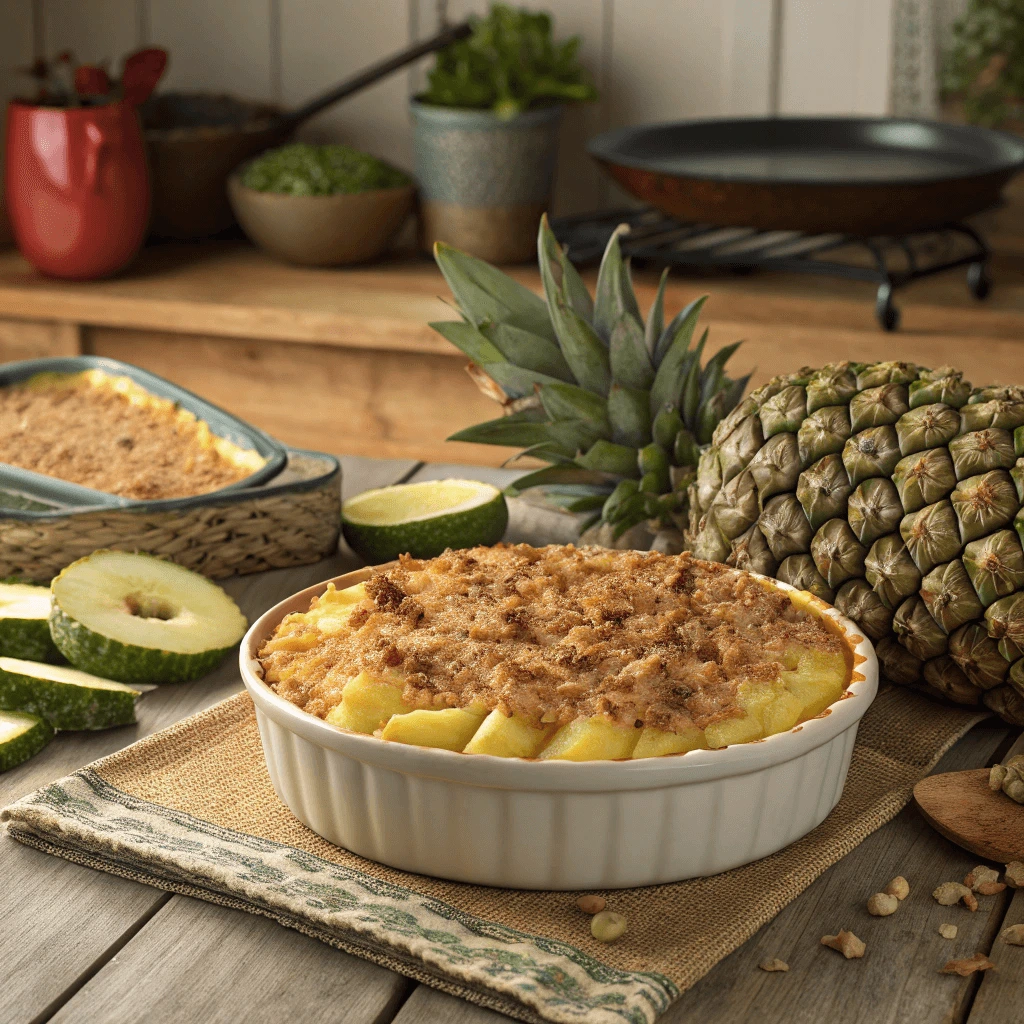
(985, 64)
(509, 64)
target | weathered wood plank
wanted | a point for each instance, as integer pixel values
(200, 962)
(427, 1006)
(896, 981)
(1000, 998)
(60, 919)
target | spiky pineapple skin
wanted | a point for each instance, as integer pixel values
(895, 492)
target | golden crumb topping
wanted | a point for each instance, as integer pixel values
(109, 434)
(551, 634)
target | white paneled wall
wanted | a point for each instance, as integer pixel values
(93, 30)
(215, 46)
(652, 59)
(325, 41)
(835, 56)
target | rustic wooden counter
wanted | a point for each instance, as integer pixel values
(344, 360)
(78, 946)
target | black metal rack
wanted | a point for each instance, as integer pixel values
(890, 262)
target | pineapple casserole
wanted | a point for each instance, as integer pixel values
(578, 653)
(110, 434)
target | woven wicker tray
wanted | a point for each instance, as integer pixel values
(292, 519)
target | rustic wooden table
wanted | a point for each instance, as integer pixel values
(80, 946)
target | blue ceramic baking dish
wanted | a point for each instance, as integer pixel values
(51, 491)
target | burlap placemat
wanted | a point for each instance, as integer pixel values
(191, 810)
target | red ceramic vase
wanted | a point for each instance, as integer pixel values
(77, 188)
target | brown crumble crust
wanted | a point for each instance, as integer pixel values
(96, 437)
(553, 634)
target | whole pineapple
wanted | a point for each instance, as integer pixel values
(617, 407)
(894, 492)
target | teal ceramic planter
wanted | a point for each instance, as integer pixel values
(484, 181)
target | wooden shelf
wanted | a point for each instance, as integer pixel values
(343, 359)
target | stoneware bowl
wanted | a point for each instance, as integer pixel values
(322, 231)
(484, 180)
(528, 824)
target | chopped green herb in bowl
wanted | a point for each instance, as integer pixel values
(321, 206)
(300, 169)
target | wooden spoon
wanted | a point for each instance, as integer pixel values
(960, 806)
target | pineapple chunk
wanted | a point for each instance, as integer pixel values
(505, 736)
(295, 642)
(783, 712)
(333, 609)
(657, 742)
(810, 681)
(450, 729)
(754, 700)
(817, 681)
(591, 739)
(367, 702)
(733, 730)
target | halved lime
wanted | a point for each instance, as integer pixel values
(423, 519)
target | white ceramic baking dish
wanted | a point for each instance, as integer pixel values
(529, 824)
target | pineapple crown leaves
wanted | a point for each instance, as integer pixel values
(617, 406)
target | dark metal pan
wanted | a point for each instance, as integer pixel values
(857, 175)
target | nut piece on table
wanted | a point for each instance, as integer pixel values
(989, 888)
(591, 904)
(607, 926)
(1014, 874)
(950, 893)
(773, 965)
(846, 942)
(948, 931)
(882, 904)
(979, 876)
(898, 887)
(978, 962)
(1009, 778)
(1014, 935)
